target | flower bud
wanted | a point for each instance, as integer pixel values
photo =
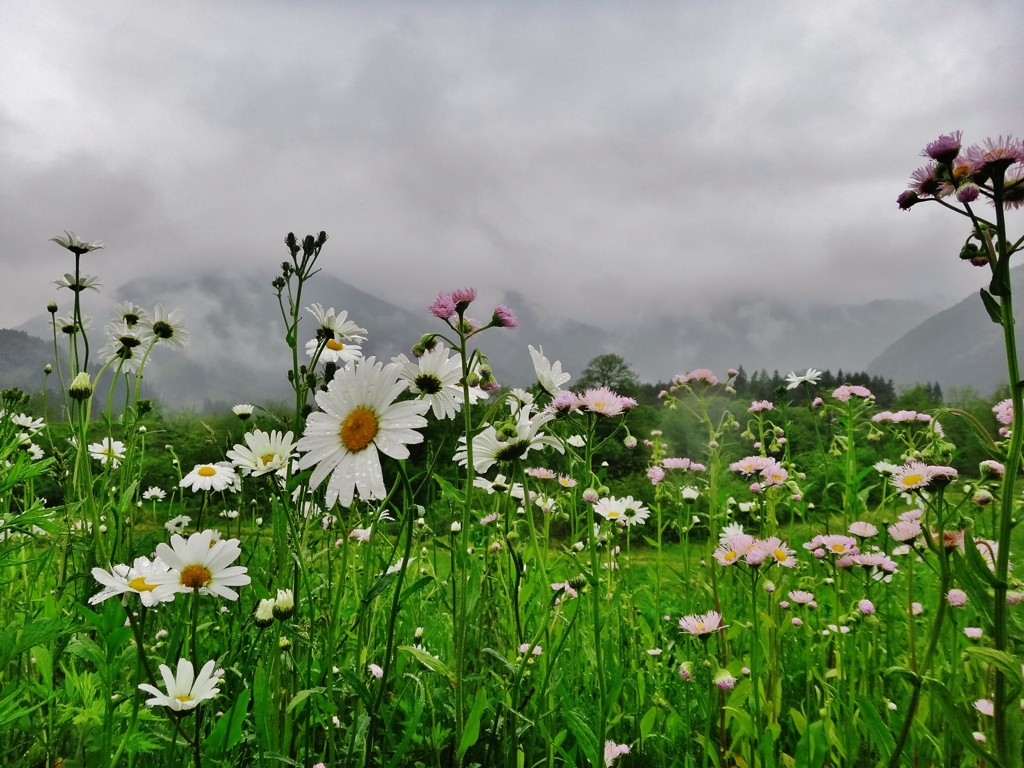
(284, 605)
(264, 615)
(81, 387)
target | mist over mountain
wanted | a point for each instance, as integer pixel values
(237, 350)
(958, 347)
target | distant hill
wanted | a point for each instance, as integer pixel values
(958, 347)
(22, 358)
(237, 350)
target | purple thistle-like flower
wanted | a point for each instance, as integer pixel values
(504, 317)
(443, 306)
(996, 156)
(945, 148)
(464, 296)
(968, 192)
(924, 182)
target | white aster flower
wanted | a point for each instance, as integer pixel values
(634, 512)
(549, 375)
(201, 563)
(811, 377)
(177, 524)
(435, 378)
(167, 327)
(126, 358)
(136, 578)
(611, 509)
(243, 410)
(131, 314)
(84, 281)
(210, 477)
(77, 246)
(262, 452)
(576, 441)
(360, 417)
(334, 351)
(343, 329)
(26, 423)
(35, 452)
(154, 493)
(186, 690)
(488, 450)
(108, 450)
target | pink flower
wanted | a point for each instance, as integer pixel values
(541, 473)
(504, 317)
(1004, 411)
(702, 625)
(755, 488)
(566, 482)
(905, 530)
(774, 475)
(866, 607)
(992, 466)
(816, 402)
(565, 401)
(375, 670)
(916, 608)
(985, 706)
(676, 463)
(797, 622)
(463, 296)
(590, 496)
(833, 543)
(655, 475)
(724, 681)
(945, 148)
(973, 632)
(843, 393)
(443, 306)
(956, 597)
(760, 405)
(537, 650)
(996, 156)
(566, 587)
(703, 375)
(602, 400)
(800, 597)
(612, 751)
(750, 464)
(686, 671)
(862, 529)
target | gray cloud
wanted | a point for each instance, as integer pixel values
(603, 156)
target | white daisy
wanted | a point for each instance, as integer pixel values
(435, 377)
(68, 326)
(127, 358)
(243, 410)
(155, 493)
(201, 563)
(611, 509)
(84, 281)
(35, 452)
(186, 689)
(167, 327)
(634, 512)
(27, 423)
(340, 325)
(549, 375)
(77, 246)
(811, 377)
(108, 450)
(177, 524)
(334, 351)
(488, 450)
(121, 579)
(263, 452)
(131, 314)
(210, 477)
(360, 417)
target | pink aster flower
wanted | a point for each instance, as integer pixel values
(464, 297)
(565, 401)
(996, 155)
(991, 466)
(760, 405)
(504, 317)
(565, 587)
(676, 463)
(750, 464)
(566, 482)
(590, 496)
(701, 375)
(613, 751)
(443, 306)
(845, 392)
(774, 475)
(797, 621)
(905, 530)
(973, 632)
(779, 551)
(702, 625)
(911, 476)
(862, 529)
(834, 544)
(957, 598)
(866, 607)
(816, 402)
(542, 473)
(924, 182)
(1004, 411)
(655, 475)
(603, 401)
(945, 148)
(985, 706)
(800, 597)
(724, 681)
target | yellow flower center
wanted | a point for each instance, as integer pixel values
(837, 547)
(700, 626)
(139, 584)
(614, 514)
(206, 471)
(359, 428)
(183, 698)
(195, 576)
(909, 480)
(266, 458)
(730, 556)
(337, 346)
(780, 555)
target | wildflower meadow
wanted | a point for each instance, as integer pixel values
(410, 564)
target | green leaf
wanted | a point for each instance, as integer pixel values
(1000, 285)
(880, 735)
(1006, 662)
(472, 731)
(992, 307)
(228, 731)
(977, 562)
(799, 721)
(302, 695)
(812, 747)
(450, 492)
(647, 723)
(428, 661)
(584, 736)
(263, 707)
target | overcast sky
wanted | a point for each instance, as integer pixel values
(611, 157)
